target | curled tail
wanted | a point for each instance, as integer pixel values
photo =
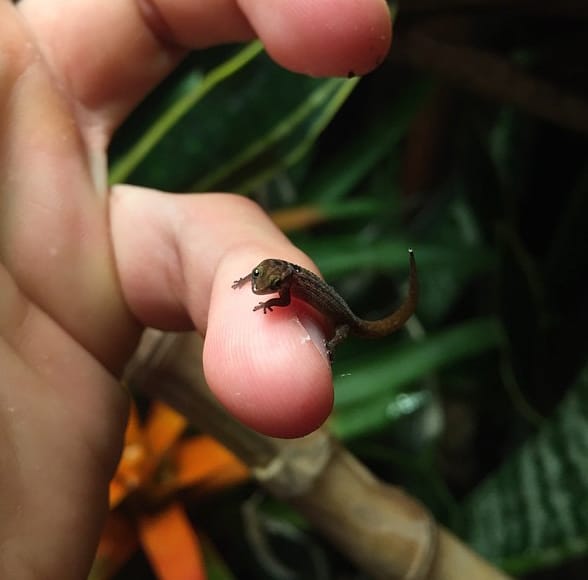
(391, 323)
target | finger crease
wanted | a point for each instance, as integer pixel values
(156, 23)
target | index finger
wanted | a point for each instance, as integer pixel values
(177, 257)
(109, 55)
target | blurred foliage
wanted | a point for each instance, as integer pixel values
(480, 407)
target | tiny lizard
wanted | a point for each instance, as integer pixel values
(287, 279)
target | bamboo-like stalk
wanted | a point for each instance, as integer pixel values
(383, 530)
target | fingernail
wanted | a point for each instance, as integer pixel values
(315, 333)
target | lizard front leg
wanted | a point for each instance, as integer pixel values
(283, 300)
(241, 282)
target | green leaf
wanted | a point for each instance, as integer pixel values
(264, 154)
(233, 128)
(216, 567)
(338, 255)
(194, 92)
(371, 391)
(351, 163)
(533, 512)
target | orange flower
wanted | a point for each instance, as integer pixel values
(155, 464)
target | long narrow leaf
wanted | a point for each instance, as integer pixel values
(129, 162)
(533, 512)
(366, 392)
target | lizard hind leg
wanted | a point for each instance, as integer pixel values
(341, 333)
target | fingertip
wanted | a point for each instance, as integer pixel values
(265, 369)
(314, 38)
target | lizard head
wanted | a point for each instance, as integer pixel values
(271, 276)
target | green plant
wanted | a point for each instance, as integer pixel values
(497, 214)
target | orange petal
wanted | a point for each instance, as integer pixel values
(118, 543)
(133, 432)
(163, 427)
(134, 466)
(203, 461)
(116, 493)
(171, 544)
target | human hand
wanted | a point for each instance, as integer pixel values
(82, 270)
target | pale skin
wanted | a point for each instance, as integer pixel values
(83, 269)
